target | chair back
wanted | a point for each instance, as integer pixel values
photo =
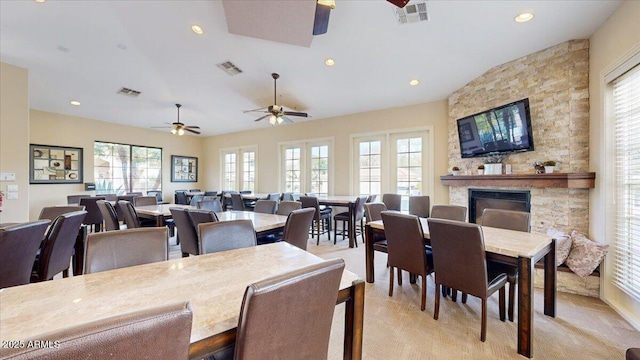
(212, 205)
(236, 202)
(211, 193)
(392, 201)
(75, 199)
(303, 320)
(274, 196)
(287, 196)
(226, 235)
(145, 200)
(405, 242)
(449, 212)
(109, 197)
(109, 214)
(507, 219)
(128, 198)
(157, 194)
(111, 338)
(459, 258)
(296, 196)
(117, 249)
(134, 193)
(311, 202)
(181, 197)
(359, 206)
(373, 210)
(52, 212)
(129, 214)
(18, 247)
(195, 190)
(195, 199)
(265, 206)
(419, 206)
(296, 229)
(201, 216)
(94, 216)
(372, 198)
(226, 201)
(285, 207)
(186, 231)
(58, 245)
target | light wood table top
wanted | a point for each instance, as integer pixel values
(261, 222)
(213, 283)
(160, 209)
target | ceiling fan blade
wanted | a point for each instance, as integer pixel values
(161, 127)
(262, 109)
(262, 117)
(294, 113)
(286, 119)
(192, 127)
(193, 131)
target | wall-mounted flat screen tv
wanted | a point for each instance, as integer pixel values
(503, 129)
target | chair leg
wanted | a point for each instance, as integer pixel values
(483, 328)
(512, 298)
(391, 281)
(184, 254)
(501, 293)
(335, 229)
(464, 298)
(399, 276)
(424, 292)
(318, 232)
(65, 273)
(436, 306)
(329, 228)
(454, 295)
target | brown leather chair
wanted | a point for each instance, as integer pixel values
(285, 207)
(197, 216)
(131, 216)
(226, 235)
(406, 249)
(296, 229)
(344, 217)
(145, 200)
(75, 199)
(419, 206)
(373, 213)
(157, 194)
(111, 338)
(94, 216)
(237, 203)
(510, 220)
(117, 249)
(632, 354)
(211, 205)
(58, 247)
(18, 247)
(128, 198)
(265, 206)
(297, 329)
(181, 197)
(459, 262)
(109, 215)
(322, 219)
(392, 201)
(449, 212)
(187, 236)
(52, 212)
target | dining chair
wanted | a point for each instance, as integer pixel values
(187, 236)
(226, 200)
(109, 215)
(274, 196)
(131, 218)
(296, 229)
(632, 354)
(449, 212)
(145, 200)
(211, 193)
(134, 193)
(287, 196)
(296, 196)
(197, 216)
(157, 194)
(75, 199)
(226, 235)
(321, 220)
(289, 316)
(237, 203)
(111, 337)
(52, 212)
(181, 197)
(510, 220)
(109, 197)
(372, 198)
(358, 216)
(58, 247)
(19, 244)
(373, 212)
(265, 206)
(212, 205)
(94, 216)
(286, 206)
(118, 249)
(406, 250)
(392, 201)
(459, 261)
(195, 199)
(419, 206)
(128, 198)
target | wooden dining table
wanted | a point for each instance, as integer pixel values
(213, 283)
(348, 201)
(523, 249)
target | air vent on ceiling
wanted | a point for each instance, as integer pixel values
(230, 68)
(129, 92)
(412, 13)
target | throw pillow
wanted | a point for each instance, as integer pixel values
(585, 254)
(563, 244)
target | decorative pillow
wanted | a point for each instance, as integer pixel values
(585, 254)
(563, 244)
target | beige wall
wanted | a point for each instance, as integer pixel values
(14, 140)
(62, 130)
(615, 41)
(339, 129)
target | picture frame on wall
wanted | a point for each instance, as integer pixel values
(55, 164)
(184, 168)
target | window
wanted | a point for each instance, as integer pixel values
(230, 171)
(121, 168)
(239, 169)
(626, 111)
(408, 166)
(249, 171)
(292, 175)
(306, 167)
(370, 167)
(320, 169)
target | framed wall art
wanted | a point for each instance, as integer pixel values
(184, 168)
(55, 164)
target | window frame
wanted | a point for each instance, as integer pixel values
(305, 147)
(131, 178)
(239, 152)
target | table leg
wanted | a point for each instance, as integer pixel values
(525, 306)
(353, 322)
(550, 281)
(368, 251)
(78, 256)
(352, 226)
(159, 221)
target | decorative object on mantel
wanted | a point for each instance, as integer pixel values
(455, 170)
(549, 165)
(493, 164)
(538, 165)
(480, 169)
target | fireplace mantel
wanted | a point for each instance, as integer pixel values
(553, 180)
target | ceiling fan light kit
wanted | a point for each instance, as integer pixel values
(178, 128)
(276, 113)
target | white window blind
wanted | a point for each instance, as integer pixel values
(626, 107)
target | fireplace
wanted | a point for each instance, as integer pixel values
(480, 199)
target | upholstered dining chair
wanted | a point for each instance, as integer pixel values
(187, 236)
(75, 199)
(287, 206)
(406, 249)
(212, 205)
(52, 212)
(300, 327)
(419, 206)
(94, 216)
(373, 212)
(117, 249)
(358, 215)
(181, 197)
(392, 201)
(226, 235)
(145, 200)
(287, 196)
(18, 247)
(449, 212)
(198, 216)
(510, 220)
(109, 215)
(131, 216)
(58, 246)
(265, 206)
(237, 203)
(321, 220)
(111, 338)
(128, 198)
(459, 261)
(157, 194)
(296, 229)
(274, 196)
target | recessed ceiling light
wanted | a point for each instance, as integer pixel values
(524, 17)
(197, 29)
(414, 82)
(74, 102)
(329, 62)
(40, 1)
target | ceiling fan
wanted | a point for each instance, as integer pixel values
(178, 127)
(276, 113)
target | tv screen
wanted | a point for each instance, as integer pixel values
(501, 130)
